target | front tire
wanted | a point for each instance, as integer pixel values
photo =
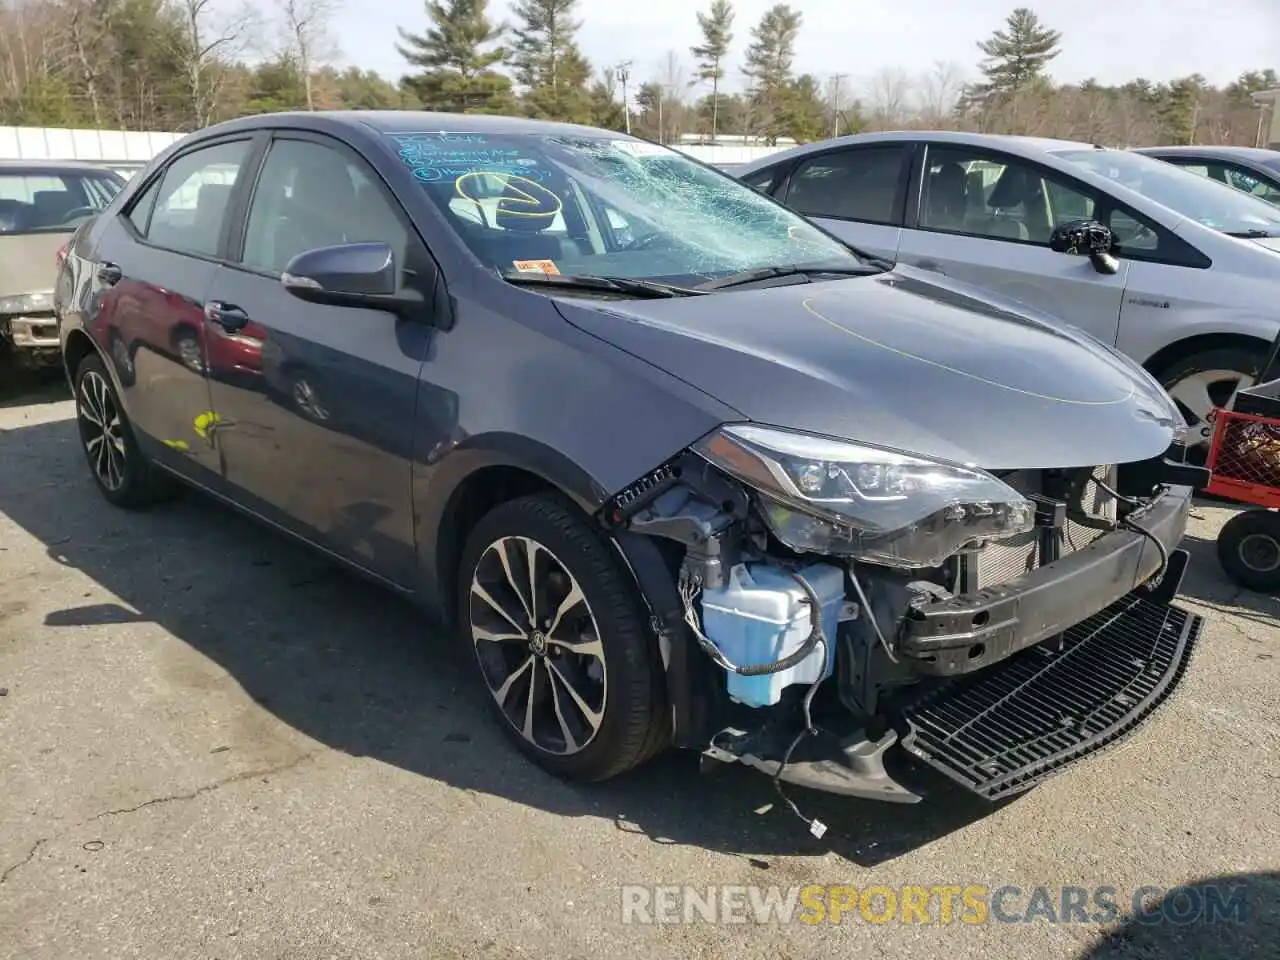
(563, 648)
(1249, 550)
(1207, 380)
(122, 473)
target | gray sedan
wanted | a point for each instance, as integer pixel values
(676, 465)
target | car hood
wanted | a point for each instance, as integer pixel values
(27, 262)
(1270, 243)
(905, 360)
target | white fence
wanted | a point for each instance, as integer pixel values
(127, 150)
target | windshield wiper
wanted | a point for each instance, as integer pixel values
(1253, 234)
(768, 273)
(641, 288)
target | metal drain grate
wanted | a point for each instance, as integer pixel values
(1004, 729)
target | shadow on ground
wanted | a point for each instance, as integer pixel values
(1230, 917)
(21, 388)
(359, 670)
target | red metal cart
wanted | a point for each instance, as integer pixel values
(1244, 461)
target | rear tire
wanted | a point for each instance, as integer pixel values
(1206, 380)
(120, 470)
(1249, 550)
(586, 657)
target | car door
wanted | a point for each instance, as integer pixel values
(316, 403)
(153, 267)
(985, 217)
(858, 193)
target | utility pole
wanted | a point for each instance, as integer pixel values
(837, 81)
(623, 71)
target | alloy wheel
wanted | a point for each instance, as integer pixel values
(102, 430)
(1197, 394)
(538, 645)
(189, 353)
(304, 395)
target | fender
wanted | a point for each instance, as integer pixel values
(436, 488)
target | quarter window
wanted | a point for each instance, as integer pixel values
(857, 184)
(1000, 198)
(195, 197)
(310, 195)
(761, 180)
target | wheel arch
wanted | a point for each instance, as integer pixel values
(1187, 347)
(451, 497)
(75, 348)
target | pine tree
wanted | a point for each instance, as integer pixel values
(768, 66)
(548, 63)
(717, 33)
(457, 55)
(1018, 55)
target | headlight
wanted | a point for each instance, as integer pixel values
(849, 499)
(26, 303)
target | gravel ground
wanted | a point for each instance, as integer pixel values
(213, 745)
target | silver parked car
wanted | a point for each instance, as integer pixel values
(1181, 272)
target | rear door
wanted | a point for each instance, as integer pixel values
(316, 404)
(985, 217)
(152, 270)
(858, 193)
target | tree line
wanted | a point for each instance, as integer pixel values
(182, 64)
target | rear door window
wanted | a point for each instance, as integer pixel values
(195, 197)
(861, 183)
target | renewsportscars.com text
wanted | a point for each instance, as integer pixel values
(933, 904)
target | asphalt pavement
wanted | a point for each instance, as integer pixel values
(213, 744)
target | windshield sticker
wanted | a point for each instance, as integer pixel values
(519, 196)
(537, 266)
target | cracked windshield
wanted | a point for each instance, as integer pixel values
(605, 207)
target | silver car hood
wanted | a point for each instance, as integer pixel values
(907, 360)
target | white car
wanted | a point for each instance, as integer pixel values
(1191, 288)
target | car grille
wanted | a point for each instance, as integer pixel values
(1004, 560)
(1002, 730)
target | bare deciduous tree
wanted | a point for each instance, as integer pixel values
(307, 38)
(889, 96)
(940, 88)
(212, 32)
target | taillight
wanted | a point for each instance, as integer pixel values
(62, 252)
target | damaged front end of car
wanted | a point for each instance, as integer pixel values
(836, 614)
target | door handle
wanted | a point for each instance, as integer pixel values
(226, 315)
(932, 265)
(110, 273)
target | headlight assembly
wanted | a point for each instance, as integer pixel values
(26, 303)
(839, 498)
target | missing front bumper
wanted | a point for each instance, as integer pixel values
(973, 631)
(1006, 729)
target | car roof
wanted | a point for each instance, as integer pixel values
(1031, 147)
(1270, 158)
(414, 121)
(53, 166)
(1219, 150)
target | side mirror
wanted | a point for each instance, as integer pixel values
(1086, 238)
(349, 275)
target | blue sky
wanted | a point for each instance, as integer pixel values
(1112, 41)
